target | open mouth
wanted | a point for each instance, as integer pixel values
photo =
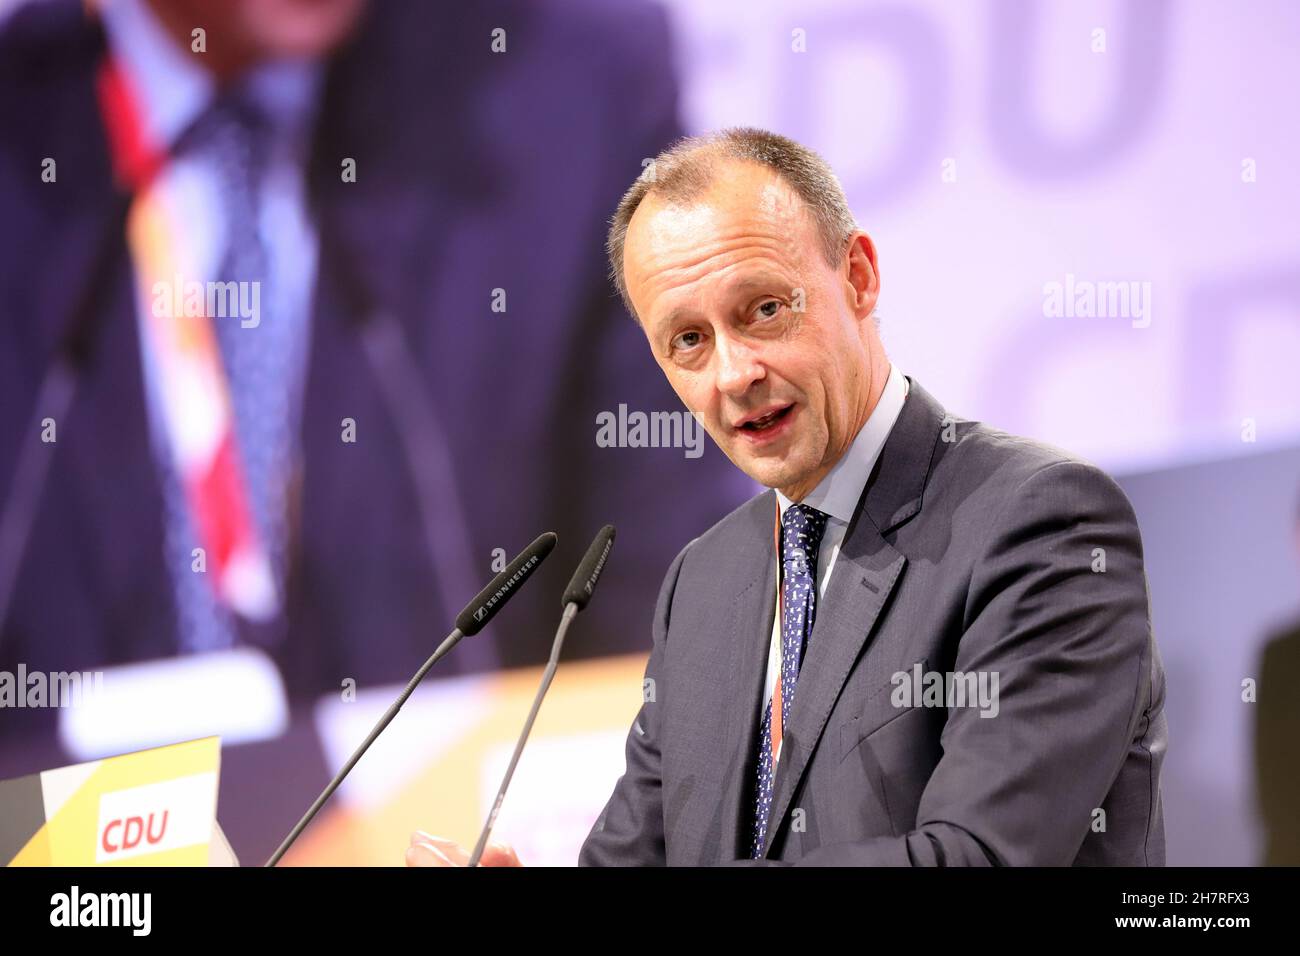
(767, 422)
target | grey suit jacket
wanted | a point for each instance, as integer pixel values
(971, 551)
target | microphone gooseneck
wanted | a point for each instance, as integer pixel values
(576, 596)
(478, 612)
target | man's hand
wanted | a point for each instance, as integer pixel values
(429, 850)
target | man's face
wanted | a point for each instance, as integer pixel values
(247, 31)
(772, 348)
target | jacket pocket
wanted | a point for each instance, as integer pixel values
(877, 711)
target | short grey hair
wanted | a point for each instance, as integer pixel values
(686, 169)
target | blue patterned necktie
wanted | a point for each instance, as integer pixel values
(257, 357)
(801, 535)
(235, 137)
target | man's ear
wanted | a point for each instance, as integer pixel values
(862, 274)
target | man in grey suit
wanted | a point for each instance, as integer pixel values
(929, 644)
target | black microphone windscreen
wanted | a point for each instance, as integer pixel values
(501, 588)
(584, 579)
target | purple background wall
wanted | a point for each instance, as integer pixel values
(1122, 165)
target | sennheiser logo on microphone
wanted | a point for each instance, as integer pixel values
(595, 573)
(502, 591)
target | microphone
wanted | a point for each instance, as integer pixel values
(576, 596)
(501, 588)
(584, 578)
(486, 604)
(54, 397)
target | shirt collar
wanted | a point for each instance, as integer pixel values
(838, 493)
(171, 89)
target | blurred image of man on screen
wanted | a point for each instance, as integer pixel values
(325, 278)
(929, 642)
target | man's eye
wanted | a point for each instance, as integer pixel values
(769, 308)
(687, 340)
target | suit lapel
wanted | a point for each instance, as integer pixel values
(752, 609)
(120, 532)
(383, 243)
(386, 229)
(865, 574)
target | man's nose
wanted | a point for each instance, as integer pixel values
(738, 366)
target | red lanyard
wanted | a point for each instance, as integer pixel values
(778, 703)
(135, 160)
